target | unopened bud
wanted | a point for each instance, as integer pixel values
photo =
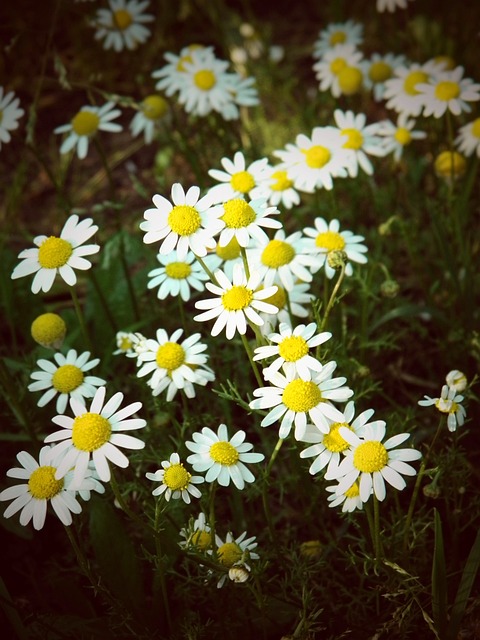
(238, 573)
(337, 259)
(389, 288)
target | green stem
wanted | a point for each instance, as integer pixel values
(333, 296)
(131, 289)
(159, 568)
(123, 504)
(206, 269)
(81, 319)
(103, 302)
(252, 361)
(376, 528)
(245, 262)
(266, 504)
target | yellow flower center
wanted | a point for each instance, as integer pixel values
(154, 107)
(90, 431)
(412, 79)
(238, 214)
(231, 251)
(403, 136)
(54, 252)
(42, 484)
(224, 453)
(447, 91)
(184, 220)
(236, 298)
(355, 139)
(353, 492)
(301, 395)
(330, 240)
(242, 181)
(178, 270)
(277, 253)
(176, 477)
(370, 456)
(122, 19)
(337, 37)
(85, 123)
(170, 356)
(450, 163)
(446, 406)
(293, 348)
(202, 539)
(278, 299)
(48, 329)
(229, 553)
(476, 128)
(125, 343)
(333, 440)
(204, 79)
(317, 156)
(282, 183)
(67, 378)
(379, 71)
(350, 80)
(337, 65)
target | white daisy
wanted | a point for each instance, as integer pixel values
(65, 377)
(235, 553)
(290, 304)
(391, 5)
(9, 115)
(457, 380)
(177, 277)
(401, 90)
(398, 136)
(60, 255)
(244, 220)
(361, 140)
(349, 499)
(238, 179)
(171, 77)
(339, 70)
(242, 90)
(93, 435)
(378, 69)
(150, 114)
(187, 224)
(292, 350)
(222, 459)
(176, 481)
(468, 138)
(197, 534)
(293, 399)
(349, 32)
(122, 25)
(237, 302)
(85, 124)
(129, 343)
(450, 91)
(49, 330)
(277, 187)
(449, 402)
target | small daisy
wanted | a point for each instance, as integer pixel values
(449, 402)
(378, 69)
(327, 238)
(244, 220)
(290, 304)
(448, 91)
(401, 90)
(65, 377)
(468, 138)
(292, 348)
(398, 136)
(237, 302)
(171, 77)
(9, 115)
(176, 481)
(235, 553)
(222, 458)
(151, 113)
(130, 344)
(242, 90)
(60, 255)
(339, 69)
(370, 462)
(93, 435)
(49, 330)
(349, 499)
(361, 140)
(391, 5)
(85, 124)
(238, 179)
(187, 224)
(293, 399)
(177, 277)
(122, 24)
(277, 187)
(457, 380)
(349, 32)
(197, 534)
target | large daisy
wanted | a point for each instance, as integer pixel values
(122, 25)
(450, 91)
(171, 77)
(176, 481)
(237, 179)
(401, 90)
(9, 115)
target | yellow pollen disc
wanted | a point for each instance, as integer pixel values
(90, 431)
(229, 553)
(282, 183)
(178, 270)
(202, 540)
(350, 80)
(125, 343)
(231, 251)
(42, 484)
(85, 123)
(353, 492)
(317, 156)
(122, 19)
(54, 252)
(67, 378)
(242, 181)
(370, 456)
(293, 348)
(184, 220)
(205, 79)
(301, 395)
(337, 37)
(237, 298)
(447, 91)
(446, 406)
(224, 453)
(337, 65)
(279, 298)
(48, 329)
(476, 128)
(450, 163)
(154, 107)
(414, 78)
(333, 440)
(238, 214)
(330, 240)
(355, 139)
(379, 71)
(176, 477)
(170, 356)
(277, 253)
(403, 136)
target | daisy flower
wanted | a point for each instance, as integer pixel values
(290, 304)
(223, 458)
(174, 365)
(9, 115)
(468, 138)
(244, 220)
(130, 344)
(65, 377)
(448, 91)
(49, 330)
(391, 5)
(235, 553)
(361, 140)
(151, 112)
(197, 535)
(122, 24)
(85, 124)
(237, 302)
(398, 136)
(238, 179)
(176, 481)
(277, 187)
(371, 462)
(339, 69)
(449, 402)
(349, 499)
(171, 77)
(41, 488)
(60, 255)
(187, 224)
(242, 90)
(291, 349)
(327, 238)
(312, 162)
(292, 399)
(349, 32)
(378, 69)
(177, 277)
(457, 380)
(94, 435)
(401, 90)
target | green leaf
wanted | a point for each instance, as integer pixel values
(464, 589)
(406, 311)
(439, 580)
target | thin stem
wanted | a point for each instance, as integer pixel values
(206, 269)
(376, 528)
(106, 166)
(266, 504)
(123, 504)
(252, 361)
(131, 290)
(245, 262)
(333, 296)
(81, 318)
(160, 573)
(103, 302)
